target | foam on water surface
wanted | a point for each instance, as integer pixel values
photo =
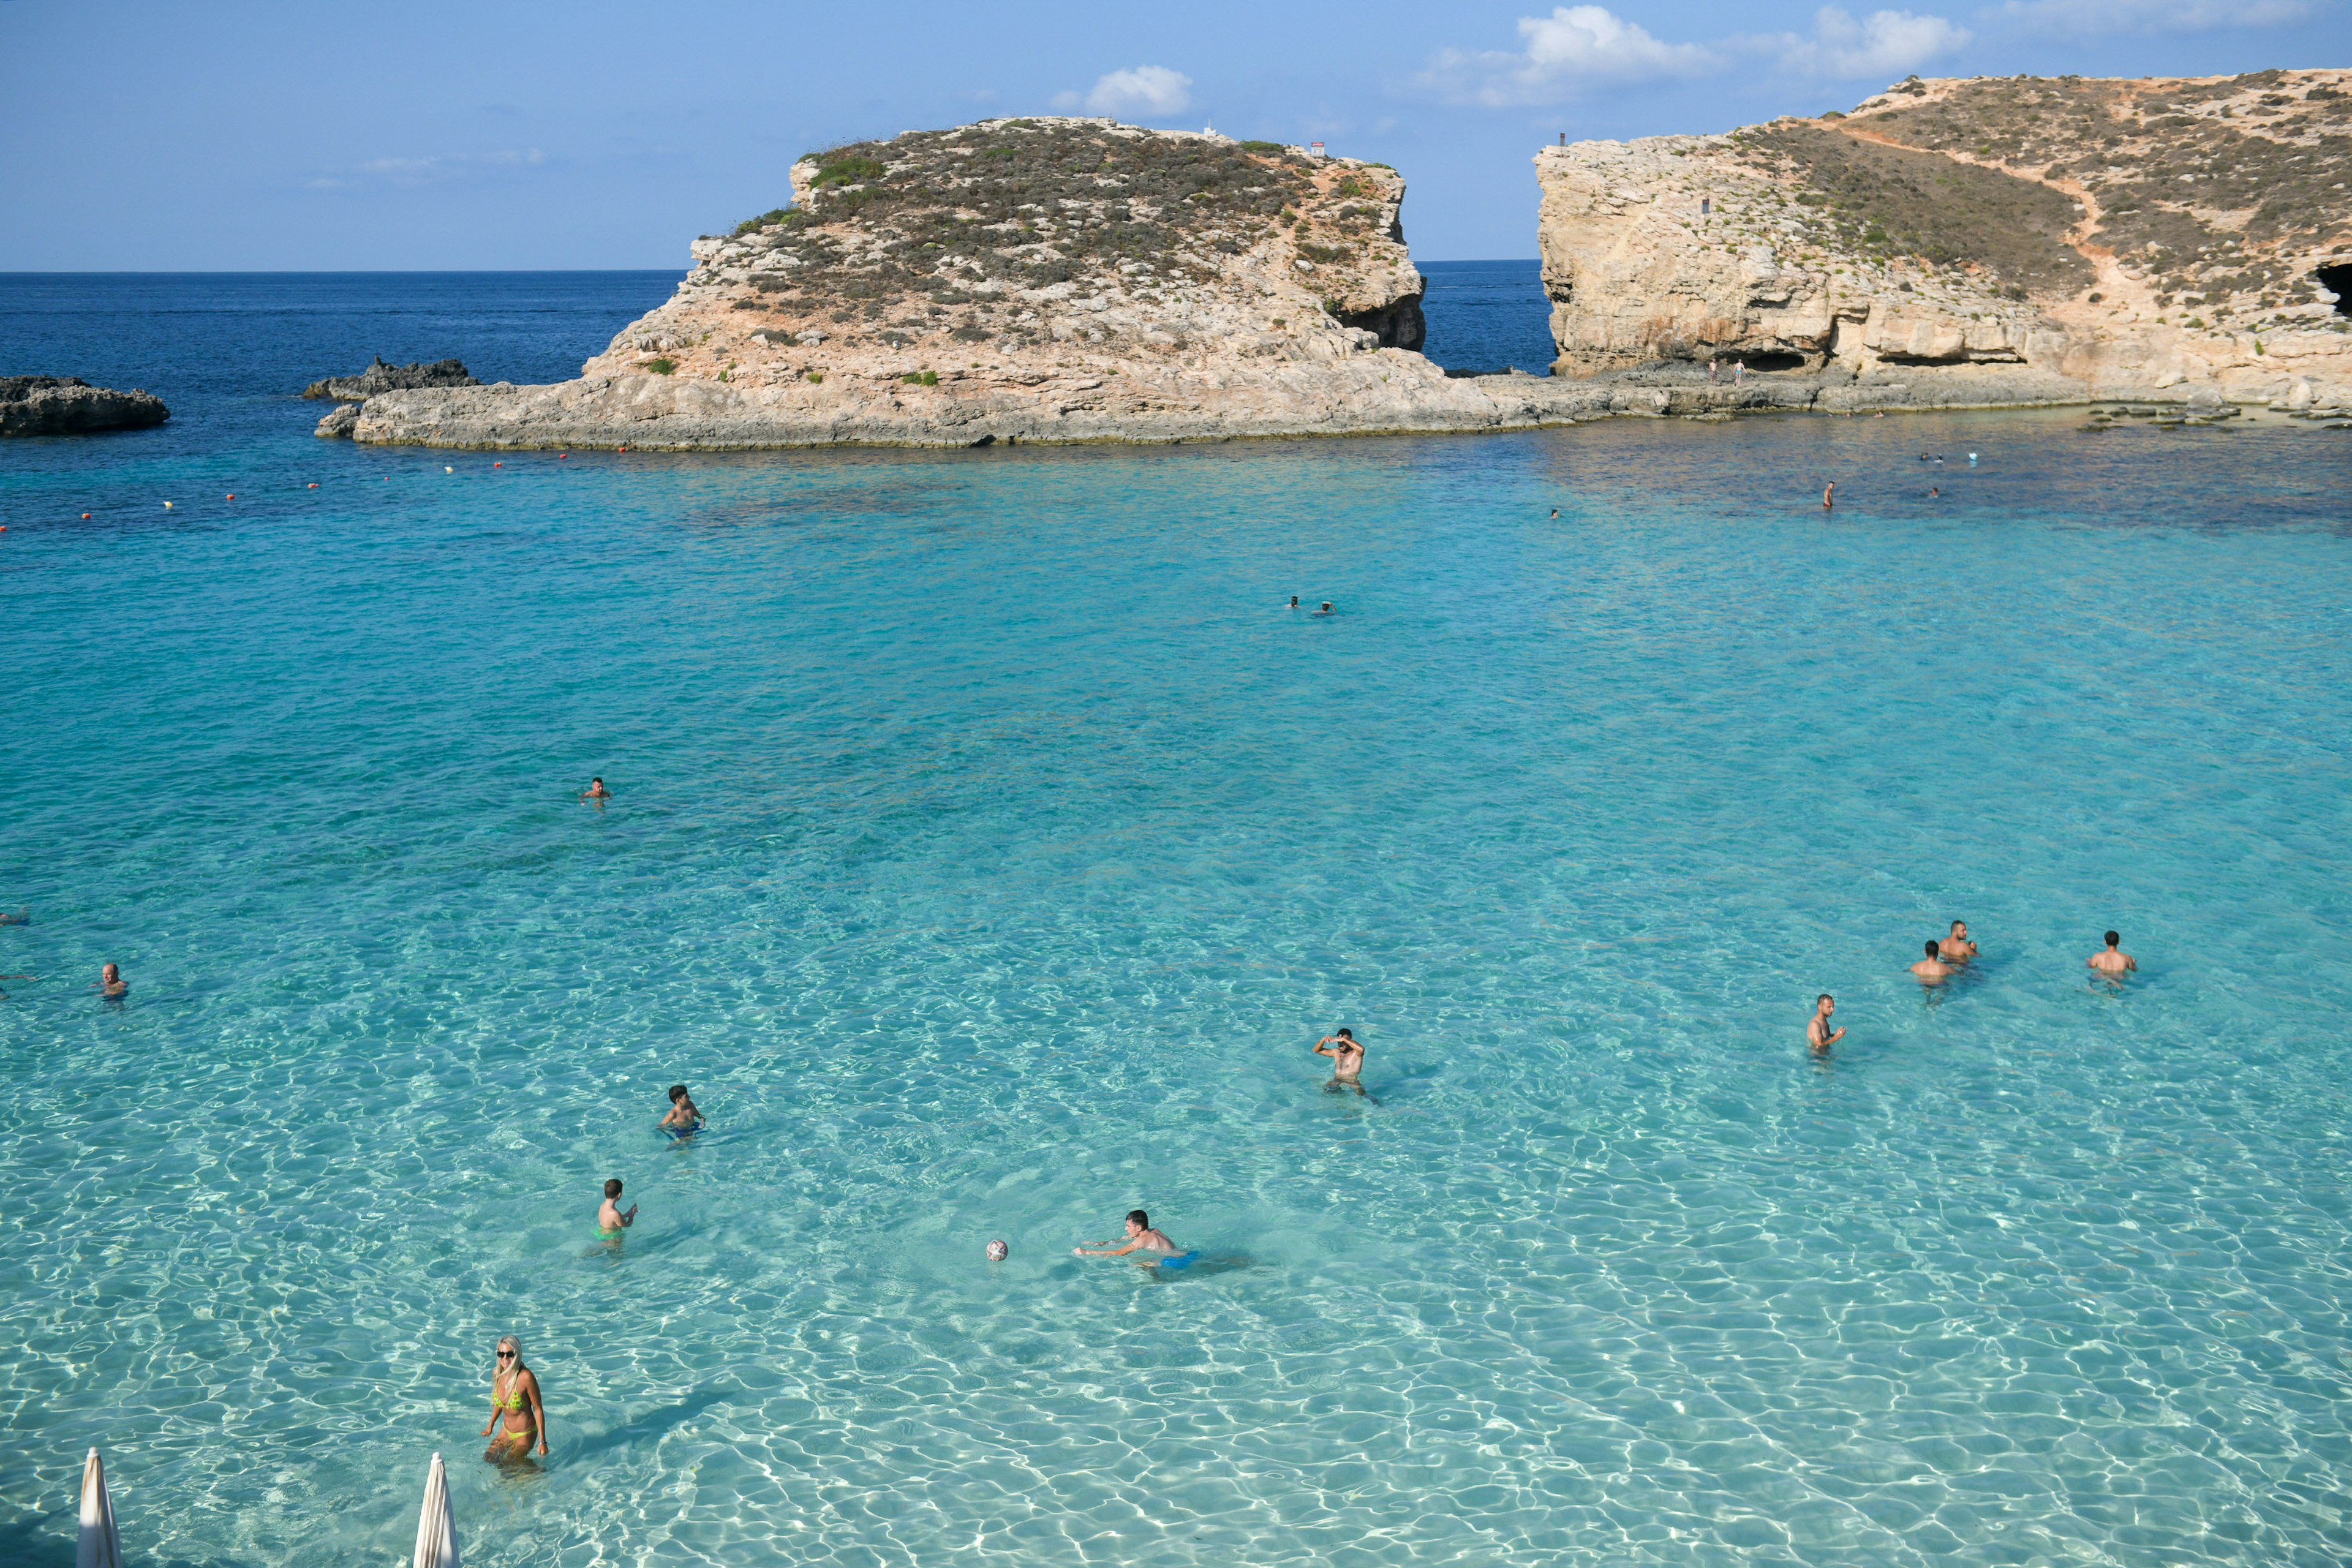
(989, 848)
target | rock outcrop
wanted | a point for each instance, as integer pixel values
(382, 377)
(2025, 239)
(68, 405)
(1030, 280)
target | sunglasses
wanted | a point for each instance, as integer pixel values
(506, 1355)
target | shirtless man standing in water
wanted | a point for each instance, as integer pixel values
(2114, 960)
(1817, 1033)
(1957, 948)
(1932, 970)
(1346, 1058)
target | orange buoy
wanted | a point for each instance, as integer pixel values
(314, 484)
(84, 517)
(560, 456)
(232, 495)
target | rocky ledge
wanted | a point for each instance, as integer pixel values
(1047, 280)
(2077, 238)
(382, 377)
(68, 405)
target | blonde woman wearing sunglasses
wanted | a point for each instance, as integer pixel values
(514, 1396)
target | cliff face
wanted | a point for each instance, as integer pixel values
(2059, 238)
(1016, 279)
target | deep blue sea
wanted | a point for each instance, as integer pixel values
(988, 846)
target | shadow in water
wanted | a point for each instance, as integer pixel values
(653, 1424)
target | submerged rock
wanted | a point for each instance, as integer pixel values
(382, 377)
(68, 405)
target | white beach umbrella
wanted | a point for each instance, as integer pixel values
(436, 1531)
(98, 1547)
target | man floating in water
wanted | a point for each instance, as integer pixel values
(1957, 948)
(596, 790)
(1140, 1237)
(2114, 961)
(1347, 1059)
(1817, 1033)
(1932, 970)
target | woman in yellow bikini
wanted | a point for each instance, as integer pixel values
(514, 1395)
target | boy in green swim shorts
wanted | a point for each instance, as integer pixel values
(611, 1221)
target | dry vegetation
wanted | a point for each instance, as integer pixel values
(1863, 198)
(2219, 194)
(963, 232)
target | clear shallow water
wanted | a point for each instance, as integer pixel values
(988, 850)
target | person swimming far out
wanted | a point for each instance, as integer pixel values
(1828, 495)
(596, 790)
(685, 1118)
(21, 918)
(1161, 1252)
(611, 1219)
(514, 1398)
(1817, 1033)
(1326, 609)
(1294, 601)
(2114, 961)
(1932, 970)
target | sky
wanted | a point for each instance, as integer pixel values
(320, 136)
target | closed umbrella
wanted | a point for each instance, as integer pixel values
(436, 1532)
(98, 1547)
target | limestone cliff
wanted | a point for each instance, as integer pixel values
(1038, 279)
(2051, 239)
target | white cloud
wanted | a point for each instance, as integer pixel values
(1884, 43)
(2098, 17)
(1139, 89)
(433, 169)
(1575, 46)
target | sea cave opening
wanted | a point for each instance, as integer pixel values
(1771, 359)
(2338, 280)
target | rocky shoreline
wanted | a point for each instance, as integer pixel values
(655, 414)
(68, 405)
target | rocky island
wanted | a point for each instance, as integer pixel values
(1978, 241)
(1018, 280)
(1952, 243)
(68, 405)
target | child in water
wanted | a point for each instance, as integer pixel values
(1140, 1237)
(685, 1118)
(611, 1220)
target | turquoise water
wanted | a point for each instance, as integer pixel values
(988, 848)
